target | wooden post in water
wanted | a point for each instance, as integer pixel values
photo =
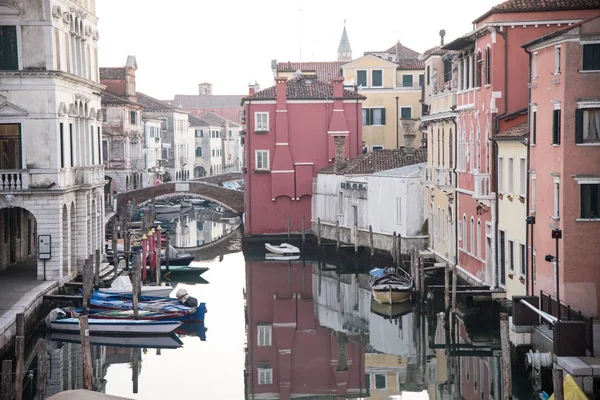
(303, 234)
(454, 282)
(399, 247)
(371, 243)
(394, 250)
(87, 278)
(356, 236)
(337, 234)
(446, 288)
(42, 373)
(157, 249)
(505, 359)
(86, 352)
(167, 253)
(124, 229)
(114, 246)
(97, 268)
(422, 276)
(414, 270)
(135, 368)
(20, 356)
(136, 277)
(319, 232)
(557, 382)
(5, 392)
(289, 226)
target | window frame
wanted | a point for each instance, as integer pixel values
(412, 80)
(406, 108)
(534, 65)
(588, 182)
(522, 259)
(267, 334)
(556, 196)
(522, 177)
(265, 375)
(557, 59)
(582, 122)
(502, 256)
(268, 160)
(366, 77)
(511, 255)
(17, 50)
(374, 383)
(373, 79)
(583, 65)
(261, 128)
(382, 116)
(556, 125)
(16, 139)
(501, 174)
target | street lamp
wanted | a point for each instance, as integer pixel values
(556, 235)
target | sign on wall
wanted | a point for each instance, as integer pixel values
(44, 247)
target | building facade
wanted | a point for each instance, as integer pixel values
(209, 147)
(391, 81)
(51, 172)
(293, 130)
(231, 145)
(564, 176)
(152, 152)
(227, 106)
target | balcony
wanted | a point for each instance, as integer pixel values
(90, 176)
(14, 179)
(443, 178)
(482, 187)
(427, 176)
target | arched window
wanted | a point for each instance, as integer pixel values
(450, 150)
(438, 147)
(479, 69)
(443, 148)
(464, 233)
(198, 151)
(478, 238)
(472, 248)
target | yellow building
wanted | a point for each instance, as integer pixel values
(391, 80)
(385, 375)
(439, 133)
(512, 209)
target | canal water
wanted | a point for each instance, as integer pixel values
(305, 328)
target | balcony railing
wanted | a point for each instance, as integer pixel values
(482, 187)
(90, 175)
(427, 175)
(14, 179)
(443, 178)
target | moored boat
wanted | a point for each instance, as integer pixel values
(168, 341)
(391, 311)
(391, 285)
(122, 285)
(284, 249)
(167, 208)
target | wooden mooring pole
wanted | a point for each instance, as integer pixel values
(337, 235)
(319, 232)
(558, 383)
(167, 252)
(356, 236)
(371, 244)
(97, 268)
(422, 278)
(115, 251)
(289, 226)
(446, 288)
(135, 368)
(5, 389)
(394, 249)
(136, 277)
(20, 356)
(399, 248)
(157, 250)
(454, 283)
(86, 352)
(303, 233)
(506, 367)
(87, 278)
(42, 373)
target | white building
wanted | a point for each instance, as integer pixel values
(51, 172)
(208, 147)
(153, 170)
(231, 153)
(371, 191)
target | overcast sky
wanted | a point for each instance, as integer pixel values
(231, 43)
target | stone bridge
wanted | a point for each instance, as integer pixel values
(219, 179)
(229, 198)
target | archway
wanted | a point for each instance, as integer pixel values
(18, 246)
(199, 172)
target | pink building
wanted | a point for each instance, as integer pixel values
(565, 161)
(490, 76)
(289, 354)
(292, 131)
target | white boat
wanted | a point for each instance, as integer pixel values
(167, 208)
(112, 326)
(277, 257)
(284, 249)
(122, 285)
(170, 341)
(391, 285)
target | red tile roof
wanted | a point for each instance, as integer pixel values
(110, 98)
(515, 132)
(520, 6)
(411, 65)
(380, 160)
(303, 88)
(152, 104)
(207, 101)
(325, 70)
(112, 73)
(402, 51)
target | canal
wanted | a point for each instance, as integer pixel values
(303, 328)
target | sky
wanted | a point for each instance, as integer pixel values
(230, 43)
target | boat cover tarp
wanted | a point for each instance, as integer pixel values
(571, 390)
(81, 394)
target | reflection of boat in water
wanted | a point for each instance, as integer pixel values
(391, 285)
(391, 311)
(122, 285)
(170, 341)
(284, 249)
(167, 208)
(114, 326)
(277, 257)
(192, 329)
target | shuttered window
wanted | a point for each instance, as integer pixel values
(556, 127)
(361, 78)
(587, 125)
(591, 57)
(377, 78)
(377, 116)
(9, 60)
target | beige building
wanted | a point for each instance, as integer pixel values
(439, 131)
(391, 80)
(512, 209)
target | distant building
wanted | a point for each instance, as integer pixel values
(293, 130)
(208, 147)
(227, 106)
(230, 142)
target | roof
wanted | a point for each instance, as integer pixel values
(521, 6)
(516, 132)
(112, 73)
(411, 65)
(434, 51)
(403, 52)
(325, 70)
(196, 121)
(207, 101)
(214, 119)
(304, 88)
(344, 42)
(150, 103)
(409, 171)
(380, 160)
(554, 34)
(110, 98)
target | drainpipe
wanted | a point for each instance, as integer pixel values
(247, 166)
(455, 192)
(397, 127)
(528, 189)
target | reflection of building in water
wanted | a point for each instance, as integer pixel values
(289, 354)
(186, 234)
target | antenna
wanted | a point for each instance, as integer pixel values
(301, 22)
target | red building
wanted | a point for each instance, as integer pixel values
(290, 131)
(289, 354)
(225, 105)
(491, 71)
(565, 162)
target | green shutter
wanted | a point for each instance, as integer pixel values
(383, 116)
(579, 125)
(370, 113)
(8, 48)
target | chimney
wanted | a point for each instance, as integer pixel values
(281, 92)
(130, 68)
(251, 89)
(256, 87)
(340, 159)
(338, 92)
(442, 34)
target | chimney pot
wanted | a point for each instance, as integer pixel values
(442, 34)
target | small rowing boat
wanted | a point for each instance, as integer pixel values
(284, 249)
(391, 285)
(122, 285)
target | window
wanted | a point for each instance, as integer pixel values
(557, 61)
(533, 126)
(377, 116)
(377, 78)
(198, 151)
(556, 198)
(590, 201)
(72, 145)
(511, 175)
(447, 70)
(365, 117)
(262, 160)
(361, 78)
(240, 115)
(523, 181)
(367, 376)
(472, 242)
(501, 174)
(534, 65)
(556, 127)
(261, 122)
(265, 375)
(479, 239)
(464, 232)
(450, 150)
(380, 381)
(199, 133)
(405, 112)
(230, 133)
(132, 117)
(264, 335)
(587, 125)
(478, 69)
(93, 152)
(511, 255)
(460, 236)
(407, 80)
(522, 259)
(62, 145)
(377, 147)
(591, 57)
(10, 146)
(502, 260)
(421, 80)
(99, 138)
(9, 59)
(428, 75)
(532, 193)
(488, 66)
